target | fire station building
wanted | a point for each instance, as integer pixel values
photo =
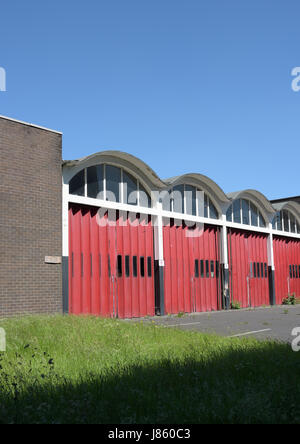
(104, 235)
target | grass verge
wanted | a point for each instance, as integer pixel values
(91, 370)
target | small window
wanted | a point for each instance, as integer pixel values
(130, 189)
(294, 273)
(296, 269)
(95, 182)
(196, 268)
(254, 270)
(127, 266)
(202, 268)
(142, 266)
(119, 266)
(254, 215)
(113, 182)
(262, 270)
(291, 272)
(207, 268)
(212, 269)
(190, 200)
(258, 270)
(149, 266)
(266, 271)
(177, 198)
(246, 212)
(237, 211)
(134, 266)
(77, 184)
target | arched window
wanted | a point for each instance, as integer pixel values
(285, 221)
(110, 183)
(244, 212)
(187, 199)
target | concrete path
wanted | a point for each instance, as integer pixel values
(261, 323)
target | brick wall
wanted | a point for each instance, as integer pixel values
(30, 219)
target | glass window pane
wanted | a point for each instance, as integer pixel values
(196, 268)
(229, 214)
(134, 266)
(190, 199)
(245, 212)
(202, 268)
(144, 198)
(149, 266)
(286, 221)
(278, 221)
(178, 199)
(127, 266)
(200, 199)
(119, 265)
(142, 266)
(237, 211)
(95, 182)
(113, 181)
(213, 214)
(206, 205)
(293, 223)
(254, 215)
(129, 189)
(77, 184)
(262, 222)
(166, 200)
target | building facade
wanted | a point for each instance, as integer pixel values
(30, 219)
(104, 235)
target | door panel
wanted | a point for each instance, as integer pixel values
(191, 264)
(248, 266)
(111, 264)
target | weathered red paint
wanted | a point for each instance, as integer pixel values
(187, 289)
(248, 268)
(287, 267)
(102, 256)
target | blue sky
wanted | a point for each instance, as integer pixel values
(188, 86)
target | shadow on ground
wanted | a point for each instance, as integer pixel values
(252, 386)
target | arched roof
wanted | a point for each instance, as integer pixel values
(259, 199)
(119, 158)
(291, 206)
(145, 173)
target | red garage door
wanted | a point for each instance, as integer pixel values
(287, 267)
(111, 268)
(248, 262)
(192, 269)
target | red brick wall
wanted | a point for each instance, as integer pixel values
(30, 219)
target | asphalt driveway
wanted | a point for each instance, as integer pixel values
(261, 323)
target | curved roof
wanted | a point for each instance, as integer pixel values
(202, 182)
(291, 206)
(120, 158)
(142, 170)
(257, 197)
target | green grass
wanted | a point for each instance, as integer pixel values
(90, 370)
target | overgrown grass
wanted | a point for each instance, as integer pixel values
(90, 370)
